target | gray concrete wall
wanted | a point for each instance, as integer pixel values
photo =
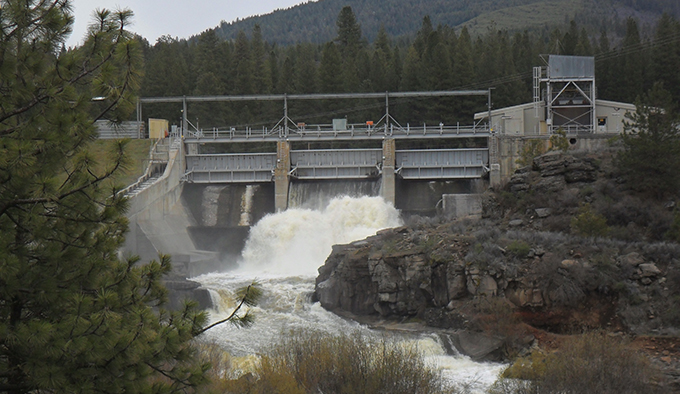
(462, 205)
(159, 222)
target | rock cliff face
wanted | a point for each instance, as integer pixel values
(400, 273)
(554, 280)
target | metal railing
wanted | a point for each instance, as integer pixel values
(148, 173)
(357, 131)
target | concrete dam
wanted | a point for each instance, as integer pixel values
(204, 225)
(199, 200)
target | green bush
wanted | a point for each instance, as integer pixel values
(531, 149)
(519, 248)
(588, 223)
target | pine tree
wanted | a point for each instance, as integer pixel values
(570, 39)
(285, 78)
(651, 142)
(349, 32)
(464, 74)
(243, 64)
(583, 47)
(350, 43)
(330, 69)
(633, 64)
(261, 71)
(74, 317)
(666, 55)
(382, 73)
(209, 81)
(605, 70)
(166, 73)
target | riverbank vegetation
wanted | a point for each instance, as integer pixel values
(307, 362)
(593, 363)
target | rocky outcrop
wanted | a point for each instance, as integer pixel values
(377, 277)
(552, 172)
(498, 284)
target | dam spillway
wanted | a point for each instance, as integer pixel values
(205, 223)
(219, 182)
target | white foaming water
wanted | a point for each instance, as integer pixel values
(283, 252)
(298, 241)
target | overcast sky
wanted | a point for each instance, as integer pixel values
(178, 18)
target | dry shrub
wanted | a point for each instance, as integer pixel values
(598, 364)
(307, 362)
(588, 364)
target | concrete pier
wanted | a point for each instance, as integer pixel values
(388, 170)
(282, 175)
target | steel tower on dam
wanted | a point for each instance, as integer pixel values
(291, 156)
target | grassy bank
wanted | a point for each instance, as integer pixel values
(138, 155)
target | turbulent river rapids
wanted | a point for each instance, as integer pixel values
(283, 252)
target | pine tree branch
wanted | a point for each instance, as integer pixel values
(40, 98)
(46, 200)
(233, 314)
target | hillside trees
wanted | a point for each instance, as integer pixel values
(631, 65)
(652, 145)
(166, 73)
(74, 317)
(666, 55)
(435, 58)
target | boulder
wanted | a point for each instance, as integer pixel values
(543, 212)
(478, 346)
(552, 163)
(567, 264)
(182, 290)
(524, 296)
(631, 260)
(456, 284)
(649, 270)
(487, 286)
(519, 187)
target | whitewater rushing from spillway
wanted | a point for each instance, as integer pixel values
(283, 252)
(298, 241)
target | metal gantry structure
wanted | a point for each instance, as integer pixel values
(286, 128)
(320, 164)
(569, 95)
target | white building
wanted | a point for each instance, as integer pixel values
(564, 100)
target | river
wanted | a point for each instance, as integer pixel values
(283, 252)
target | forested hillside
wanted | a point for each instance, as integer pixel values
(435, 58)
(315, 21)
